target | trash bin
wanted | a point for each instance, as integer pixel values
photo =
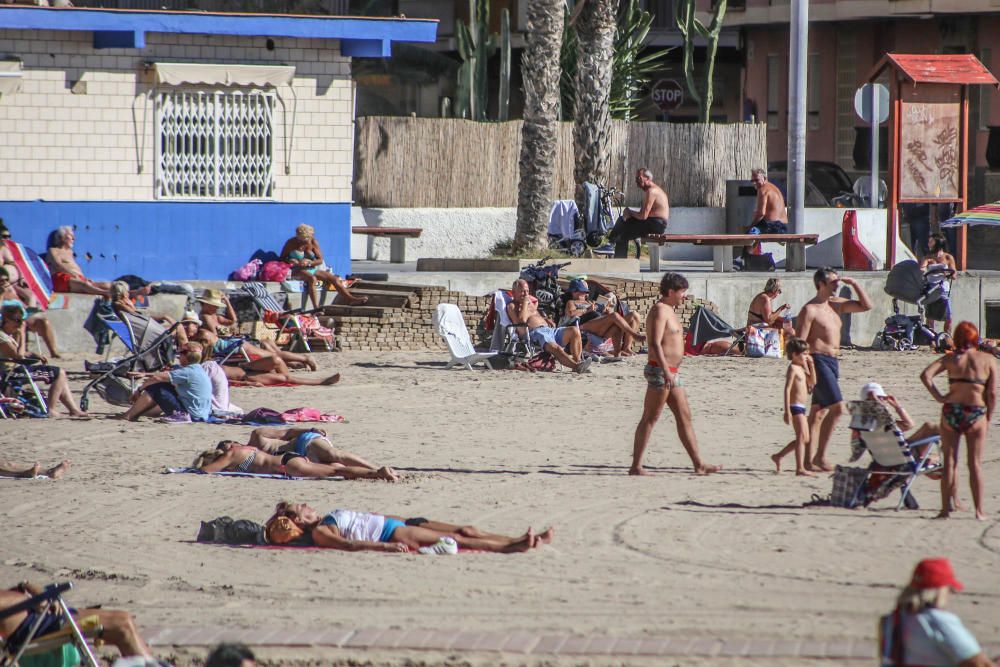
(741, 200)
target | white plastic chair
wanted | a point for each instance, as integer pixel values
(450, 325)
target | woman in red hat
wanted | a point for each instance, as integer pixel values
(921, 632)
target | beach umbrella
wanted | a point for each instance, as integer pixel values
(987, 214)
(34, 271)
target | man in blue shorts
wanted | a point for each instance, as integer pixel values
(523, 310)
(819, 324)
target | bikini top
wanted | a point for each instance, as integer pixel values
(298, 254)
(967, 380)
(247, 462)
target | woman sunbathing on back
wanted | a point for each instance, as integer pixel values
(230, 456)
(360, 531)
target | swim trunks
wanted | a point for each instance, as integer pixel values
(657, 379)
(541, 336)
(766, 226)
(303, 439)
(827, 391)
(389, 528)
(797, 409)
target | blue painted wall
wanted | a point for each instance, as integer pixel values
(178, 240)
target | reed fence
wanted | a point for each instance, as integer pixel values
(452, 163)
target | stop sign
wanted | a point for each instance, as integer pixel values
(668, 94)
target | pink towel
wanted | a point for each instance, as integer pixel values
(309, 415)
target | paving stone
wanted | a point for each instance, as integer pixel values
(812, 649)
(363, 637)
(389, 639)
(838, 649)
(520, 642)
(438, 639)
(709, 647)
(786, 647)
(466, 641)
(626, 646)
(652, 647)
(759, 647)
(734, 647)
(333, 637)
(573, 645)
(549, 644)
(864, 648)
(600, 645)
(492, 641)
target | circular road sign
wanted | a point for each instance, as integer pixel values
(668, 94)
(863, 102)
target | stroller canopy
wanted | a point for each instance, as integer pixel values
(906, 283)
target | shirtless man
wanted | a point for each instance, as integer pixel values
(819, 324)
(523, 309)
(665, 337)
(67, 276)
(312, 443)
(770, 208)
(119, 628)
(650, 219)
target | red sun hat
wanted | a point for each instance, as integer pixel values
(935, 573)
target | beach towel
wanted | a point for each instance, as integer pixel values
(197, 471)
(269, 417)
(34, 271)
(309, 415)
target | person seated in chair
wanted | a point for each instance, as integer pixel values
(523, 312)
(13, 345)
(119, 628)
(36, 323)
(599, 325)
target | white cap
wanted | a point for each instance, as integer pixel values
(872, 388)
(191, 316)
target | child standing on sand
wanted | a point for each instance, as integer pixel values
(798, 380)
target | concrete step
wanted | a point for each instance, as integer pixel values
(384, 299)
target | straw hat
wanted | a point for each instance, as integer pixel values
(212, 297)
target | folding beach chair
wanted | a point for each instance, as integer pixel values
(505, 337)
(895, 462)
(450, 324)
(73, 632)
(19, 393)
(291, 322)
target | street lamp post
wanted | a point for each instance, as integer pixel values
(795, 260)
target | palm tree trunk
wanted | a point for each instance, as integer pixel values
(592, 130)
(540, 132)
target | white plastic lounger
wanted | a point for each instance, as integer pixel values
(450, 325)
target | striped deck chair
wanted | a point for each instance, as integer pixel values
(50, 648)
(301, 326)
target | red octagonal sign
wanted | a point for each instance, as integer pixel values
(668, 94)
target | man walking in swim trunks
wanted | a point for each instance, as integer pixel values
(650, 219)
(665, 337)
(819, 324)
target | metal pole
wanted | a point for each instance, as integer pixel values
(795, 260)
(873, 198)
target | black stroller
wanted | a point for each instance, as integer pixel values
(591, 226)
(151, 348)
(929, 293)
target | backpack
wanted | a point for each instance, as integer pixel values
(275, 272)
(248, 271)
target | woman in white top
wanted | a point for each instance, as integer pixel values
(360, 531)
(920, 632)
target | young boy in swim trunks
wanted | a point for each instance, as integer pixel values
(798, 378)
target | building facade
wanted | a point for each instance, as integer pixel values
(178, 144)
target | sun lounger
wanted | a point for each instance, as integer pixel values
(450, 324)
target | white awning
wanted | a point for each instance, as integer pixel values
(10, 76)
(175, 74)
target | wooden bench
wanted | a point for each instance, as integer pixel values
(722, 244)
(397, 239)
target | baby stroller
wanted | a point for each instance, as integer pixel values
(151, 348)
(573, 233)
(929, 293)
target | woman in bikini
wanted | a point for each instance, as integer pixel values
(966, 409)
(312, 443)
(601, 325)
(360, 531)
(231, 456)
(762, 313)
(302, 252)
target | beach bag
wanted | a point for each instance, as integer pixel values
(248, 271)
(846, 482)
(275, 272)
(765, 343)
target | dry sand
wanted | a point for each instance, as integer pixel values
(734, 555)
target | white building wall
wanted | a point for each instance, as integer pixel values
(99, 145)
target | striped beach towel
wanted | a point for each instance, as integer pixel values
(34, 271)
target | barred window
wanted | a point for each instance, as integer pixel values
(214, 145)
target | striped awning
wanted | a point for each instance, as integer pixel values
(987, 214)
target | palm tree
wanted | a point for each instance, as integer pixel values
(540, 131)
(595, 29)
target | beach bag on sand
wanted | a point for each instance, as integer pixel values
(764, 343)
(846, 482)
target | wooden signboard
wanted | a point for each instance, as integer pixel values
(929, 151)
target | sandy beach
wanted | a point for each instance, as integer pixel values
(732, 556)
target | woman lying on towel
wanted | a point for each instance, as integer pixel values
(231, 456)
(358, 531)
(311, 443)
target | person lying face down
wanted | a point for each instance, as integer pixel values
(348, 530)
(231, 456)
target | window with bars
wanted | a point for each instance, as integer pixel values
(214, 144)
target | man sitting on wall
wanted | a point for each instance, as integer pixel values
(67, 276)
